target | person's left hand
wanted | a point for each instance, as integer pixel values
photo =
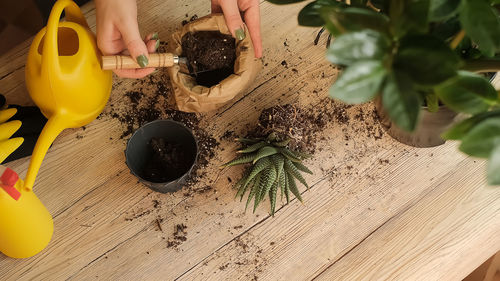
(232, 10)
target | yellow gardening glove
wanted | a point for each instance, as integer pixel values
(7, 129)
(20, 127)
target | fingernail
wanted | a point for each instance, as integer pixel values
(154, 36)
(142, 60)
(240, 34)
(157, 44)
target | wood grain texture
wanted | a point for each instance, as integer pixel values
(376, 209)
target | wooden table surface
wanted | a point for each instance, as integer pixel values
(377, 209)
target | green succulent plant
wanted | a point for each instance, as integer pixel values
(273, 167)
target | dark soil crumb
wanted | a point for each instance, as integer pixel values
(168, 161)
(206, 51)
(228, 135)
(284, 63)
(179, 236)
(151, 100)
(193, 18)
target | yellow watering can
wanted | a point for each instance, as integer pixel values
(65, 80)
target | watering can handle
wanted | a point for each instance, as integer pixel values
(50, 55)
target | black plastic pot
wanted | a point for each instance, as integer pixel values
(138, 153)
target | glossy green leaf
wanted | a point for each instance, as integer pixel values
(339, 21)
(461, 129)
(310, 15)
(443, 9)
(426, 59)
(359, 83)
(401, 101)
(409, 15)
(482, 25)
(494, 166)
(481, 139)
(353, 47)
(467, 92)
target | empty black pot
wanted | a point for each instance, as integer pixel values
(140, 155)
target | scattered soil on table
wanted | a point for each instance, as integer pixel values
(210, 56)
(151, 99)
(180, 235)
(303, 125)
(168, 161)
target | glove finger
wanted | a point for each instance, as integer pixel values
(9, 146)
(25, 149)
(7, 114)
(9, 128)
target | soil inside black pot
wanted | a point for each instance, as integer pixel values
(209, 51)
(168, 161)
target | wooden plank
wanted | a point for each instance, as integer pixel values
(445, 236)
(110, 227)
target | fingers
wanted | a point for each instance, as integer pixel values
(252, 20)
(134, 43)
(134, 73)
(233, 19)
(7, 114)
(9, 146)
(9, 128)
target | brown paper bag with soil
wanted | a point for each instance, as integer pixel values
(191, 97)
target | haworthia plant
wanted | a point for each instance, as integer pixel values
(273, 167)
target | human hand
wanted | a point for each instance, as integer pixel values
(20, 127)
(232, 10)
(118, 33)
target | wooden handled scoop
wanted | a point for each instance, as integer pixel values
(155, 60)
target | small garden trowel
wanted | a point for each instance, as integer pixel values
(155, 60)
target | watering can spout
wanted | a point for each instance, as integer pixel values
(52, 128)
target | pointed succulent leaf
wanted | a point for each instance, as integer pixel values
(272, 196)
(241, 160)
(269, 177)
(287, 188)
(254, 147)
(254, 191)
(281, 182)
(293, 171)
(264, 152)
(301, 155)
(293, 187)
(289, 155)
(282, 143)
(257, 168)
(240, 184)
(248, 141)
(302, 167)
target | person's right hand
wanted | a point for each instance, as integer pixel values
(118, 33)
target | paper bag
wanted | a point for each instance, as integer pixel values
(191, 97)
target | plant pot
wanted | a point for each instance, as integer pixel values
(191, 97)
(139, 155)
(429, 129)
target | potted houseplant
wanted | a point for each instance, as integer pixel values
(418, 57)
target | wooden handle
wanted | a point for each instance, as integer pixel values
(127, 62)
